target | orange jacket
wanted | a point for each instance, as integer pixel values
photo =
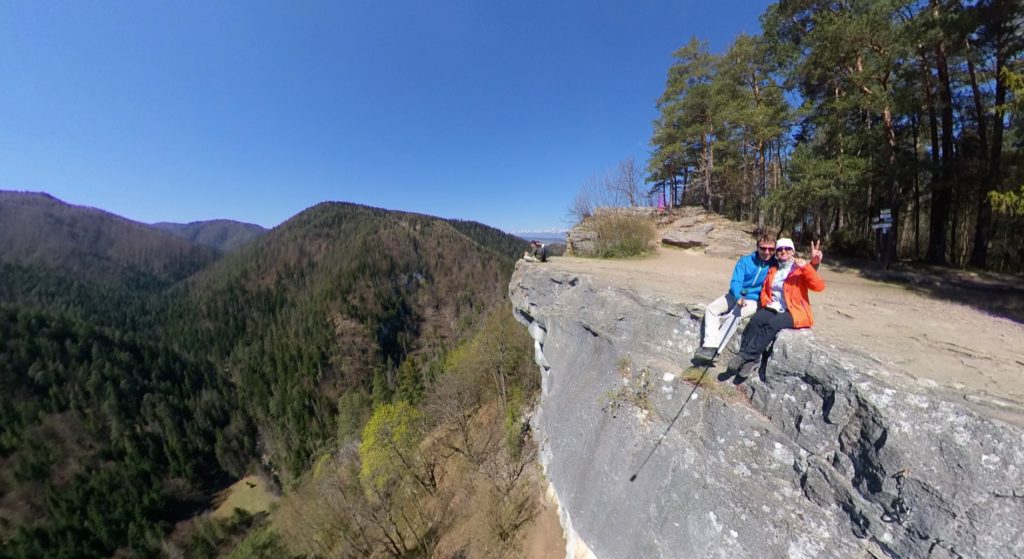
(794, 291)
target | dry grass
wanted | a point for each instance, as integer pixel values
(710, 383)
(250, 494)
(621, 235)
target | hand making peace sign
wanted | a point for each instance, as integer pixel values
(816, 254)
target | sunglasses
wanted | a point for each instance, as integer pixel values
(767, 249)
(783, 249)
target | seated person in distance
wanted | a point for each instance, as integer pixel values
(538, 252)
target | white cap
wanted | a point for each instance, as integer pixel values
(784, 243)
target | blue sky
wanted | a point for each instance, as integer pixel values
(494, 111)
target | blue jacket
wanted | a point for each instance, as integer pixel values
(748, 276)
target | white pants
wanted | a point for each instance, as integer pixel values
(717, 334)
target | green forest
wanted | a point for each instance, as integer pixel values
(839, 110)
(132, 393)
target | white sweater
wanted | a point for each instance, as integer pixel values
(778, 302)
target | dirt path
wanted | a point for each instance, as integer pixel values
(956, 345)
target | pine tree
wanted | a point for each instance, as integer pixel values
(382, 391)
(410, 381)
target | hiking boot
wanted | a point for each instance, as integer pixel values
(746, 369)
(705, 355)
(736, 363)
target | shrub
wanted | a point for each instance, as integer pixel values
(846, 242)
(353, 412)
(259, 545)
(621, 235)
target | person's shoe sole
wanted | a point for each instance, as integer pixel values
(703, 358)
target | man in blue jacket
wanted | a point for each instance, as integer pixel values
(741, 300)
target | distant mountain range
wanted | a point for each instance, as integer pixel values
(224, 235)
(546, 237)
(37, 229)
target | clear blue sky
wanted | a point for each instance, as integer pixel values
(494, 111)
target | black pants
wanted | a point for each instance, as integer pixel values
(761, 330)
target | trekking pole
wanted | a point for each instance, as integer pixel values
(686, 401)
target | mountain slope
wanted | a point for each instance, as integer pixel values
(224, 235)
(135, 379)
(91, 263)
(39, 230)
(105, 438)
(325, 301)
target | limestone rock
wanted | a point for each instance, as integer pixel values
(581, 241)
(690, 237)
(821, 455)
(686, 216)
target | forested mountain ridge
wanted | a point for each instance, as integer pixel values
(39, 230)
(128, 401)
(327, 300)
(98, 266)
(225, 235)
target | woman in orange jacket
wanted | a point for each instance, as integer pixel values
(784, 303)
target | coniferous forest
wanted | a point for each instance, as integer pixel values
(840, 110)
(141, 372)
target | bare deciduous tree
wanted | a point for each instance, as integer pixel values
(628, 181)
(454, 400)
(620, 186)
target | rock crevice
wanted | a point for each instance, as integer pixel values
(823, 454)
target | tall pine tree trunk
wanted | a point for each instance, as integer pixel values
(709, 163)
(762, 184)
(993, 176)
(983, 225)
(893, 194)
(941, 189)
(916, 130)
(933, 137)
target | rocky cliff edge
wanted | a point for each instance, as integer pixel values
(823, 454)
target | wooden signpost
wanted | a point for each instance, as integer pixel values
(881, 225)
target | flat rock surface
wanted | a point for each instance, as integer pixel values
(694, 236)
(962, 346)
